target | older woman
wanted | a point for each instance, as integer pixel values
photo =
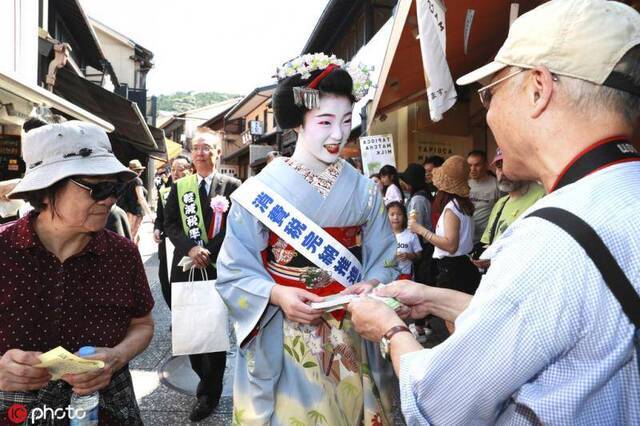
(65, 281)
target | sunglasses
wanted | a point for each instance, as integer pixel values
(102, 190)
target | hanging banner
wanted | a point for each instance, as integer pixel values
(467, 28)
(441, 92)
(376, 151)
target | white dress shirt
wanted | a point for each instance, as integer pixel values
(208, 180)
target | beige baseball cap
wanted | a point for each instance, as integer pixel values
(583, 39)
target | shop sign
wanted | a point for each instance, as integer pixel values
(427, 145)
(376, 151)
(228, 170)
(256, 128)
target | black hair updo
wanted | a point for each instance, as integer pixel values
(288, 115)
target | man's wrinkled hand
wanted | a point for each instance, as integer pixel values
(413, 295)
(95, 380)
(18, 374)
(372, 318)
(199, 256)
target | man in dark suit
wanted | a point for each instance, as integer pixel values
(190, 223)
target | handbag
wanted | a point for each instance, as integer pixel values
(199, 317)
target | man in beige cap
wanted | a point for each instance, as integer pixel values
(544, 340)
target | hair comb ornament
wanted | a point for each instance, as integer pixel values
(309, 96)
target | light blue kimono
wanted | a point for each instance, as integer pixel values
(278, 379)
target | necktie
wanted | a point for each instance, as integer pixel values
(207, 213)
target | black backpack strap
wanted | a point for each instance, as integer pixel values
(611, 272)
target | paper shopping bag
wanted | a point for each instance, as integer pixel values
(199, 318)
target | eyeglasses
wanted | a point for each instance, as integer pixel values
(102, 190)
(486, 94)
(204, 148)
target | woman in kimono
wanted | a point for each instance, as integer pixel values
(298, 365)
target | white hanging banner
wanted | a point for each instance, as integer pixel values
(441, 92)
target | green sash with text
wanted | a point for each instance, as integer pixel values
(191, 209)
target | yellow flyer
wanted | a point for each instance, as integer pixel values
(60, 361)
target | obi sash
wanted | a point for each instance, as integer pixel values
(289, 268)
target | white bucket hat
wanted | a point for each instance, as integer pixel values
(56, 151)
(583, 39)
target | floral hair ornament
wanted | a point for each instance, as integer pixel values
(309, 96)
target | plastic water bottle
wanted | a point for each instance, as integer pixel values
(84, 406)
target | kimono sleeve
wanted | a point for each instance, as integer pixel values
(378, 242)
(243, 283)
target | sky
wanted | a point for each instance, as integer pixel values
(230, 46)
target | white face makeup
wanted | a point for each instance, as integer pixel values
(324, 132)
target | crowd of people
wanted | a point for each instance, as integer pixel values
(523, 270)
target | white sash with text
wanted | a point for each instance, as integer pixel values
(300, 232)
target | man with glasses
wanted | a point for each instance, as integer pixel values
(197, 231)
(544, 340)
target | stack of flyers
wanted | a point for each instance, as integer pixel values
(340, 301)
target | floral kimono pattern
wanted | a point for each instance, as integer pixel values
(293, 374)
